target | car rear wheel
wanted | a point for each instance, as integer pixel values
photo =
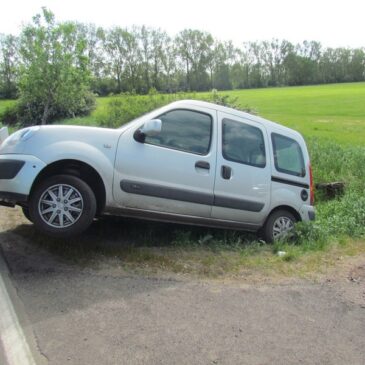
(62, 206)
(279, 225)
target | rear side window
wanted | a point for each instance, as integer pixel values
(243, 143)
(288, 155)
(184, 130)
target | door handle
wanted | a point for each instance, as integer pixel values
(226, 172)
(202, 165)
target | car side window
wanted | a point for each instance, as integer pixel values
(184, 130)
(288, 155)
(243, 143)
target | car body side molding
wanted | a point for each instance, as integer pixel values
(160, 191)
(240, 204)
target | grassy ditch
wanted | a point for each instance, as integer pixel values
(154, 248)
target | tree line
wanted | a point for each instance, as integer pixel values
(139, 58)
(66, 62)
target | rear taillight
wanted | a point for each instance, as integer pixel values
(311, 185)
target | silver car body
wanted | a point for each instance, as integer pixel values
(150, 181)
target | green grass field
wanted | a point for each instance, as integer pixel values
(334, 112)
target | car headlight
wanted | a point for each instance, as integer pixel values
(21, 135)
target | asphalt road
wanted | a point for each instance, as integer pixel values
(80, 315)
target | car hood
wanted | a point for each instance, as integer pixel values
(44, 136)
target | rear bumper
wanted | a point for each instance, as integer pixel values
(307, 213)
(312, 215)
(17, 175)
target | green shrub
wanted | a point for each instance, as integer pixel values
(126, 107)
(25, 114)
(227, 100)
(9, 117)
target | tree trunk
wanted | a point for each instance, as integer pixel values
(187, 76)
(119, 83)
(46, 113)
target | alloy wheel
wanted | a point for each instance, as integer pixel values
(60, 206)
(282, 227)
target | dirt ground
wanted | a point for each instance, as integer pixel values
(82, 314)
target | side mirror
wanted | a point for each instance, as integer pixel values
(150, 128)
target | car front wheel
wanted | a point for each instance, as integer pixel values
(26, 213)
(62, 206)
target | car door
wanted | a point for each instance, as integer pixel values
(242, 186)
(171, 172)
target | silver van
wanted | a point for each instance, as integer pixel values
(189, 162)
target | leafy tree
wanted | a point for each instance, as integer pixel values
(132, 61)
(194, 48)
(357, 67)
(159, 39)
(145, 37)
(168, 64)
(101, 82)
(115, 48)
(54, 76)
(9, 64)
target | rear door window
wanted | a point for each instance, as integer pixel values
(243, 143)
(288, 155)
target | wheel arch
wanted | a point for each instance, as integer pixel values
(79, 169)
(287, 208)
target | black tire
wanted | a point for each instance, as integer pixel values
(66, 217)
(270, 230)
(27, 214)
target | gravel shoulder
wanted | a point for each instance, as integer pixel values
(106, 315)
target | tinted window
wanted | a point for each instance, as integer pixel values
(243, 143)
(288, 155)
(184, 130)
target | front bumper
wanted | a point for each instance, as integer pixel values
(10, 168)
(17, 175)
